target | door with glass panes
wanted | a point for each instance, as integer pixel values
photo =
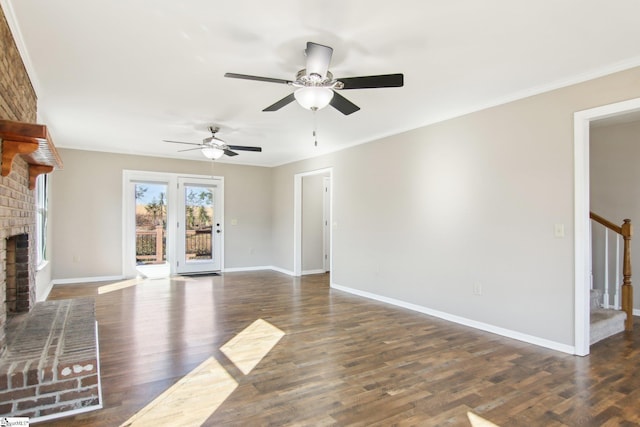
(199, 225)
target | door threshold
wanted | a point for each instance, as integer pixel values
(200, 273)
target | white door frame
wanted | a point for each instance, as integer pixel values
(128, 221)
(297, 218)
(582, 262)
(326, 223)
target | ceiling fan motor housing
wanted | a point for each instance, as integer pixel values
(315, 80)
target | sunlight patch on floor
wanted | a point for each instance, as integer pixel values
(154, 271)
(190, 401)
(177, 278)
(194, 398)
(120, 285)
(251, 345)
(477, 421)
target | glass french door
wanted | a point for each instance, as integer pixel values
(172, 223)
(150, 222)
(199, 226)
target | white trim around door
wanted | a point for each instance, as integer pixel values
(582, 260)
(297, 218)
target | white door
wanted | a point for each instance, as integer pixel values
(199, 225)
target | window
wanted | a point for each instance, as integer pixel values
(41, 218)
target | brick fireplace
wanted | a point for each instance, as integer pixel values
(17, 274)
(17, 246)
(48, 350)
(17, 204)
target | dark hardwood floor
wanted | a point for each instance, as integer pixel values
(343, 360)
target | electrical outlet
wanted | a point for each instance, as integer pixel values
(477, 288)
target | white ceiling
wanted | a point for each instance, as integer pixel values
(122, 75)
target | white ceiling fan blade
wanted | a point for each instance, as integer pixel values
(318, 59)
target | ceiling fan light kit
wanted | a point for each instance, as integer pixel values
(213, 153)
(313, 98)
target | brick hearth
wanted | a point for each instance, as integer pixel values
(50, 365)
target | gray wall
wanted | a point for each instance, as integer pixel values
(421, 216)
(469, 200)
(86, 211)
(615, 188)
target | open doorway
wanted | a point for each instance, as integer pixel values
(582, 121)
(315, 224)
(313, 236)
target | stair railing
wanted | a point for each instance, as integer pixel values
(625, 231)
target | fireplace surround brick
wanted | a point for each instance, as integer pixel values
(48, 350)
(17, 217)
(18, 101)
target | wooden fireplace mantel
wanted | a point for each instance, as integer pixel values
(33, 143)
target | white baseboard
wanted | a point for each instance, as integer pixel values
(45, 293)
(317, 271)
(282, 270)
(636, 312)
(255, 268)
(462, 320)
(78, 280)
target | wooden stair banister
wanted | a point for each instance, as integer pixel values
(611, 226)
(626, 231)
(627, 289)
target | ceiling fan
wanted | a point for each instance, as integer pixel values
(316, 87)
(213, 147)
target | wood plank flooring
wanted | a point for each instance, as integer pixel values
(343, 360)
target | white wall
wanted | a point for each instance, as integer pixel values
(615, 187)
(469, 200)
(87, 211)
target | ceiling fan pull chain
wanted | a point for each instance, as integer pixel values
(315, 129)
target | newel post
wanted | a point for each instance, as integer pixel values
(627, 289)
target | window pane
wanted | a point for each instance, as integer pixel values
(199, 222)
(151, 223)
(41, 218)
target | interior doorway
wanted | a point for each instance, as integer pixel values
(323, 210)
(315, 224)
(582, 261)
